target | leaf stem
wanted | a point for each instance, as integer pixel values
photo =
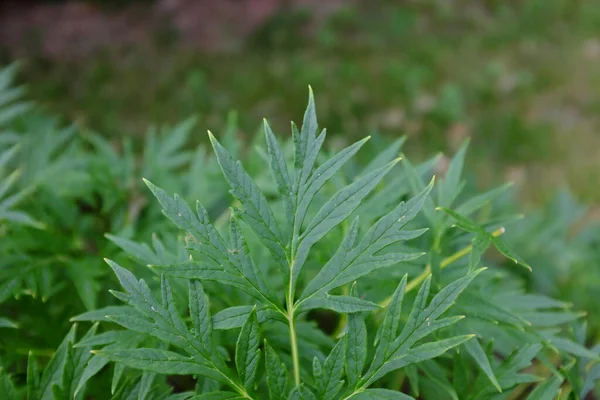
(414, 283)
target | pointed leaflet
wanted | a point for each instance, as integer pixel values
(390, 153)
(217, 263)
(477, 202)
(318, 179)
(277, 374)
(388, 330)
(247, 352)
(547, 390)
(200, 314)
(450, 186)
(280, 172)
(234, 317)
(423, 320)
(350, 262)
(306, 147)
(480, 243)
(33, 377)
(340, 304)
(478, 354)
(416, 183)
(53, 372)
(356, 348)
(6, 386)
(590, 380)
(336, 210)
(333, 368)
(161, 361)
(301, 392)
(257, 212)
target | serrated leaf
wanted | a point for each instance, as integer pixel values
(53, 372)
(257, 212)
(320, 177)
(356, 349)
(247, 352)
(333, 212)
(161, 361)
(350, 262)
(478, 354)
(340, 304)
(280, 172)
(101, 313)
(301, 392)
(333, 369)
(277, 374)
(200, 313)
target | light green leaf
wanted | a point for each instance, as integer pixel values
(590, 380)
(477, 202)
(480, 244)
(451, 185)
(247, 352)
(547, 390)
(217, 396)
(478, 354)
(7, 323)
(101, 313)
(301, 392)
(277, 374)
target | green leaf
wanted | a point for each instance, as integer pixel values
(146, 384)
(350, 262)
(462, 222)
(451, 185)
(340, 304)
(53, 372)
(234, 317)
(280, 172)
(330, 383)
(478, 354)
(391, 152)
(388, 330)
(33, 377)
(547, 390)
(277, 374)
(356, 348)
(301, 392)
(380, 394)
(320, 177)
(247, 352)
(334, 211)
(590, 380)
(202, 325)
(217, 396)
(257, 212)
(7, 323)
(6, 386)
(475, 203)
(480, 244)
(101, 313)
(161, 361)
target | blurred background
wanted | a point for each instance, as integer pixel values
(521, 78)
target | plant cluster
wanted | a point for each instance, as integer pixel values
(297, 274)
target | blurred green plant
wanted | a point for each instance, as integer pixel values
(367, 233)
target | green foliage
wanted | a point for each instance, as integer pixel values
(326, 278)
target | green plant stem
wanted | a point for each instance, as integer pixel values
(414, 283)
(294, 344)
